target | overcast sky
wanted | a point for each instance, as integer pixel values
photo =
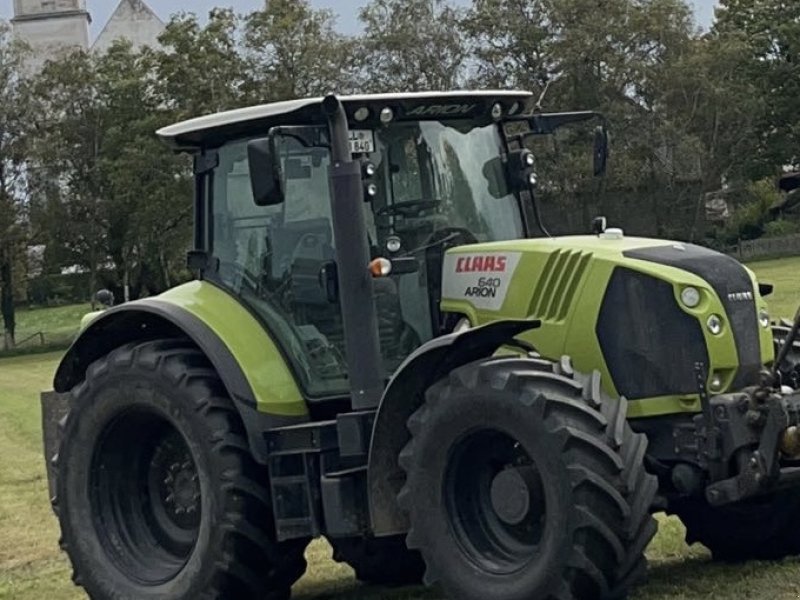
(347, 9)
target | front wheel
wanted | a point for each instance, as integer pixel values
(524, 482)
(158, 496)
(756, 529)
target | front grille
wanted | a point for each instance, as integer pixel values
(732, 283)
(649, 344)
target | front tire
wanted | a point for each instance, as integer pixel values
(755, 529)
(158, 496)
(524, 482)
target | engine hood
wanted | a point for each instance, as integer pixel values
(611, 301)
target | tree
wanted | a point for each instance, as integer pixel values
(512, 43)
(200, 69)
(704, 96)
(411, 45)
(293, 51)
(122, 194)
(15, 121)
(769, 35)
(610, 62)
(148, 197)
(66, 158)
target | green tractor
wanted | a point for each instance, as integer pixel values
(382, 348)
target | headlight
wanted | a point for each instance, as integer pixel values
(387, 114)
(690, 296)
(714, 324)
(763, 319)
(393, 244)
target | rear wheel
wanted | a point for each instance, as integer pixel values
(756, 529)
(158, 495)
(380, 561)
(524, 481)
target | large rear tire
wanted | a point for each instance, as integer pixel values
(380, 561)
(524, 481)
(158, 496)
(756, 529)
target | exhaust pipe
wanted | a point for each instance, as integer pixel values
(362, 343)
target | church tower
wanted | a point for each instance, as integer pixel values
(51, 27)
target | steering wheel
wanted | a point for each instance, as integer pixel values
(409, 208)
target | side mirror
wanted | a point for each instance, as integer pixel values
(266, 178)
(600, 150)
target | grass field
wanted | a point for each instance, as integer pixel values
(58, 325)
(31, 567)
(784, 274)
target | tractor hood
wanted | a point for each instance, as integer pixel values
(648, 310)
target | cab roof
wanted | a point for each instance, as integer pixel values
(213, 130)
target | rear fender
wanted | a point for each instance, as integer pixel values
(405, 394)
(239, 348)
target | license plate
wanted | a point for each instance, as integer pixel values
(362, 141)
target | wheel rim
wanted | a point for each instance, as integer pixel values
(494, 498)
(145, 497)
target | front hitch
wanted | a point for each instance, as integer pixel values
(747, 443)
(741, 439)
(774, 424)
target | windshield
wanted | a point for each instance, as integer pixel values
(434, 177)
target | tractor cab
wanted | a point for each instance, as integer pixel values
(434, 172)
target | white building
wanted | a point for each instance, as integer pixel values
(133, 21)
(53, 27)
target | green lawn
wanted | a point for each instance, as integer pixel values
(31, 567)
(784, 274)
(59, 324)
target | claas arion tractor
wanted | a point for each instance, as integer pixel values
(382, 348)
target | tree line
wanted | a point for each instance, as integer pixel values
(85, 186)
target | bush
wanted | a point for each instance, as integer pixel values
(781, 228)
(750, 219)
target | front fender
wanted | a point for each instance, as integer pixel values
(246, 358)
(405, 394)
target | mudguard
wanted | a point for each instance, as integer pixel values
(247, 359)
(405, 394)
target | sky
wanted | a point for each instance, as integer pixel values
(347, 9)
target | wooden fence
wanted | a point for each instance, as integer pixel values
(777, 247)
